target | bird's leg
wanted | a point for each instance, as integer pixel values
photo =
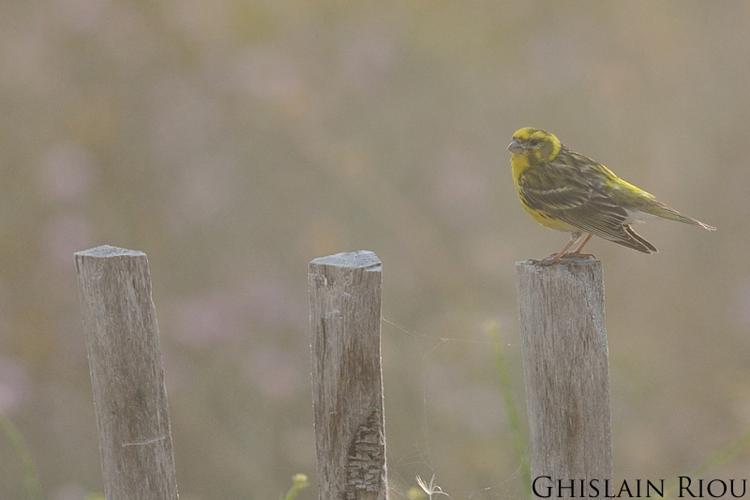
(555, 257)
(577, 251)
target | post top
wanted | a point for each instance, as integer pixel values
(356, 260)
(104, 251)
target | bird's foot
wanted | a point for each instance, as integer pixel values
(552, 259)
(577, 255)
(558, 256)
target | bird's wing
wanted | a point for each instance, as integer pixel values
(582, 200)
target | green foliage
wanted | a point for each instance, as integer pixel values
(299, 483)
(719, 457)
(31, 484)
(415, 493)
(511, 409)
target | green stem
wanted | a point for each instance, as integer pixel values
(722, 456)
(511, 409)
(32, 484)
(299, 483)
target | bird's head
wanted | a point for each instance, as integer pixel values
(535, 145)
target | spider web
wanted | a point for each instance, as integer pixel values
(424, 457)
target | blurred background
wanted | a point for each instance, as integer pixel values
(233, 141)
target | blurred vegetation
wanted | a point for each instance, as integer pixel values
(515, 428)
(29, 487)
(235, 140)
(299, 483)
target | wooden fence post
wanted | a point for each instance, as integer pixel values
(127, 376)
(565, 360)
(345, 295)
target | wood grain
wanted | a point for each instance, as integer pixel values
(345, 300)
(127, 377)
(565, 358)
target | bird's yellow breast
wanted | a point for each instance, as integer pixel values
(519, 163)
(548, 221)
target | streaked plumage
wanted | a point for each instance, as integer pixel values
(570, 192)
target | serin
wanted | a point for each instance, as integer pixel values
(564, 190)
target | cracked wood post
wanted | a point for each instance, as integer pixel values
(127, 376)
(347, 385)
(565, 358)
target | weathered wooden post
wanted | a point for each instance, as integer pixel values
(127, 376)
(565, 360)
(345, 295)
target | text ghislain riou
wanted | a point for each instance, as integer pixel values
(686, 487)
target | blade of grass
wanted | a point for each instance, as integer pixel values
(299, 483)
(722, 456)
(31, 483)
(511, 409)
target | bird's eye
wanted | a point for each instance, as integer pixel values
(534, 142)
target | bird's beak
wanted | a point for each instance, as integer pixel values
(515, 146)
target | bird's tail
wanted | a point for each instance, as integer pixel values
(633, 240)
(666, 212)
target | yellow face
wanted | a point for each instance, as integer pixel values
(534, 145)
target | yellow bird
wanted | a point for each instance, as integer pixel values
(564, 190)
